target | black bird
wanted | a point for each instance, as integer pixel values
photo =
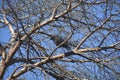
(58, 40)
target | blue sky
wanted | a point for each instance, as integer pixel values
(4, 35)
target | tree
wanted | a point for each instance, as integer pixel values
(87, 32)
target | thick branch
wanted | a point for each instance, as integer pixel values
(60, 56)
(10, 27)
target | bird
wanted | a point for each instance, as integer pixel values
(58, 40)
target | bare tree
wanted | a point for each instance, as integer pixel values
(60, 39)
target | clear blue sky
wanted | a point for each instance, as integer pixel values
(4, 35)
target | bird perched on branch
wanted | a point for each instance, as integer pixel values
(58, 40)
